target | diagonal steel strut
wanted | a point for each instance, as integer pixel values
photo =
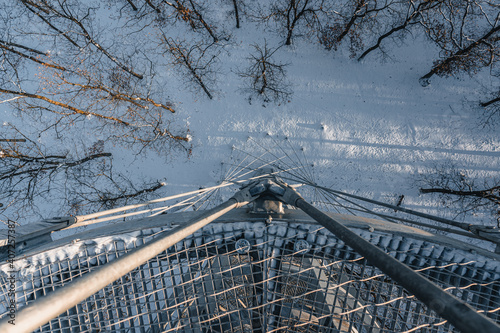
(458, 313)
(50, 306)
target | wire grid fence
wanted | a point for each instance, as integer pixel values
(238, 277)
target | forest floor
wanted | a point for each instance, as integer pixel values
(367, 128)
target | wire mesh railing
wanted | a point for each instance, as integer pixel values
(270, 277)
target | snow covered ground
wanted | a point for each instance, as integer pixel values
(366, 128)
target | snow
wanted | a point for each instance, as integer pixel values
(277, 236)
(28, 266)
(367, 127)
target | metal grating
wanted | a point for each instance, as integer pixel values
(211, 283)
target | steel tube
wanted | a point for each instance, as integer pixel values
(458, 313)
(461, 225)
(50, 306)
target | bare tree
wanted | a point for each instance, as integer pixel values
(197, 61)
(68, 72)
(106, 191)
(192, 12)
(79, 84)
(491, 109)
(236, 5)
(268, 78)
(119, 106)
(462, 190)
(352, 20)
(294, 15)
(31, 173)
(492, 101)
(404, 19)
(467, 34)
(69, 14)
(31, 54)
(132, 5)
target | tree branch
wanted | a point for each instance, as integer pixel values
(65, 106)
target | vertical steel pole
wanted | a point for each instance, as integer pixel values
(60, 300)
(458, 313)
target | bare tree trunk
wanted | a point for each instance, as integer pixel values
(12, 140)
(65, 35)
(381, 38)
(485, 194)
(491, 101)
(132, 5)
(51, 165)
(132, 195)
(410, 20)
(150, 4)
(191, 60)
(132, 99)
(192, 15)
(64, 106)
(291, 22)
(289, 37)
(203, 22)
(5, 47)
(23, 47)
(264, 78)
(424, 80)
(236, 14)
(352, 20)
(197, 77)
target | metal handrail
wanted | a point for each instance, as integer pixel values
(59, 301)
(458, 313)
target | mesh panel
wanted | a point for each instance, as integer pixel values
(207, 283)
